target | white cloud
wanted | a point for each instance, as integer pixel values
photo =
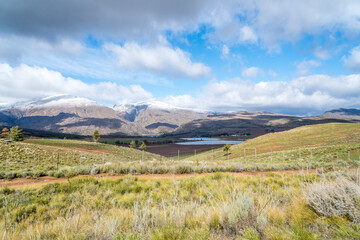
(247, 34)
(14, 48)
(322, 53)
(303, 95)
(70, 57)
(225, 51)
(289, 20)
(251, 72)
(304, 67)
(352, 62)
(281, 21)
(245, 21)
(103, 19)
(159, 59)
(25, 82)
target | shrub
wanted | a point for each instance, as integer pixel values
(10, 176)
(59, 174)
(183, 169)
(241, 214)
(94, 171)
(26, 174)
(336, 198)
(235, 216)
(70, 173)
(39, 174)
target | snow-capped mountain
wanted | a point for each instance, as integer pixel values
(76, 115)
(71, 114)
(62, 113)
(154, 117)
(149, 104)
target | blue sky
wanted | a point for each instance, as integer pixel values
(295, 57)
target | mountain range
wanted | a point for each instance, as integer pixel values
(77, 115)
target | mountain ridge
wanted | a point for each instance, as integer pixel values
(76, 115)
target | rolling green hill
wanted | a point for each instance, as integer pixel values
(38, 157)
(319, 145)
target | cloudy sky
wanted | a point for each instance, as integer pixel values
(297, 57)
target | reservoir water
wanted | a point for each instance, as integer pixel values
(207, 141)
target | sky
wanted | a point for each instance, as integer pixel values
(293, 57)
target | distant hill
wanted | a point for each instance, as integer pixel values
(343, 114)
(248, 124)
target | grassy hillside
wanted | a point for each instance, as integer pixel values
(323, 145)
(37, 157)
(306, 137)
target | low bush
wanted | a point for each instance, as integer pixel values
(10, 176)
(94, 171)
(335, 198)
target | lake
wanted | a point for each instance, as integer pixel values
(207, 141)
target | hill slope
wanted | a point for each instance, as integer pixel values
(343, 113)
(42, 156)
(321, 145)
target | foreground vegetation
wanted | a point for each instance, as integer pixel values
(216, 206)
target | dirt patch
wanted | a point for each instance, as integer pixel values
(19, 183)
(272, 146)
(26, 182)
(80, 149)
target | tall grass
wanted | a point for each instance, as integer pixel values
(216, 206)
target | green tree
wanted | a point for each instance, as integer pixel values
(143, 146)
(132, 144)
(226, 148)
(16, 134)
(96, 135)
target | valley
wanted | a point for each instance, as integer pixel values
(259, 189)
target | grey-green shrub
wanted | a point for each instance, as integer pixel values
(335, 198)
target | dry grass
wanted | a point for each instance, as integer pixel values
(216, 206)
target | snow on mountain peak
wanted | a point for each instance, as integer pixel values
(150, 104)
(55, 101)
